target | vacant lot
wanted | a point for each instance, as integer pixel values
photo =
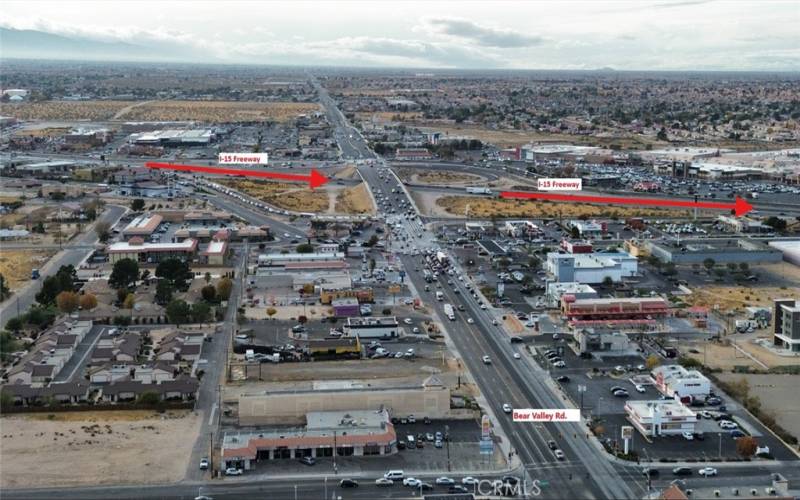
(220, 111)
(444, 177)
(85, 448)
(295, 197)
(731, 298)
(496, 207)
(354, 200)
(777, 393)
(65, 110)
(16, 265)
(516, 137)
(389, 116)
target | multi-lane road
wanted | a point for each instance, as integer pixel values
(73, 253)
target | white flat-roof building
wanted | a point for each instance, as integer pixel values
(677, 382)
(140, 251)
(588, 227)
(579, 290)
(660, 418)
(372, 327)
(143, 225)
(591, 268)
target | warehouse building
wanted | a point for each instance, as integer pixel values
(325, 433)
(677, 382)
(591, 268)
(427, 397)
(733, 251)
(172, 137)
(143, 225)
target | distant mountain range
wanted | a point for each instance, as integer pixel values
(33, 44)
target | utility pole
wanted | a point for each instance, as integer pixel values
(447, 443)
(335, 470)
(211, 454)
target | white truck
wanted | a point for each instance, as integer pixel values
(450, 312)
(439, 296)
(479, 190)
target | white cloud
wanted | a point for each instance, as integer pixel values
(482, 35)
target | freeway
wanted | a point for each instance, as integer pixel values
(73, 254)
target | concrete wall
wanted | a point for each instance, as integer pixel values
(275, 408)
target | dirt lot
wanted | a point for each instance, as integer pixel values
(730, 298)
(65, 110)
(16, 265)
(502, 138)
(354, 200)
(347, 369)
(444, 177)
(389, 116)
(778, 395)
(96, 448)
(296, 197)
(220, 111)
(496, 207)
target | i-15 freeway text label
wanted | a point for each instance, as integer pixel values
(242, 158)
(559, 184)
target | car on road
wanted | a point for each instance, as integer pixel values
(308, 461)
(621, 394)
(727, 424)
(736, 433)
(562, 379)
(707, 471)
(682, 471)
(560, 364)
(411, 481)
(507, 408)
(457, 488)
(469, 480)
(203, 463)
(552, 445)
(487, 360)
(470, 321)
(408, 321)
(559, 454)
(444, 481)
(233, 471)
(639, 388)
(382, 481)
(648, 472)
(687, 436)
(348, 483)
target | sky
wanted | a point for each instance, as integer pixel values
(623, 35)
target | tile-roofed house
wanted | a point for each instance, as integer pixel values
(42, 373)
(157, 373)
(102, 355)
(184, 388)
(110, 372)
(23, 394)
(70, 392)
(122, 390)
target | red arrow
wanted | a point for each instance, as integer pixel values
(314, 180)
(740, 207)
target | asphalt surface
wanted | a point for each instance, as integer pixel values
(74, 253)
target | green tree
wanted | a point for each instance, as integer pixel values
(15, 324)
(607, 281)
(62, 281)
(8, 344)
(124, 274)
(149, 398)
(4, 291)
(207, 277)
(103, 231)
(178, 312)
(201, 312)
(209, 293)
(224, 287)
(709, 264)
(137, 205)
(373, 240)
(163, 292)
(575, 232)
(88, 301)
(652, 361)
(176, 271)
(129, 302)
(304, 248)
(669, 269)
(776, 223)
(744, 267)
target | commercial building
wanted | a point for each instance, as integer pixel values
(345, 307)
(742, 224)
(521, 228)
(172, 137)
(576, 246)
(722, 252)
(216, 253)
(591, 341)
(580, 291)
(677, 382)
(429, 398)
(588, 228)
(660, 418)
(372, 327)
(591, 268)
(302, 261)
(413, 154)
(143, 225)
(334, 348)
(325, 434)
(790, 250)
(787, 324)
(328, 294)
(138, 250)
(575, 309)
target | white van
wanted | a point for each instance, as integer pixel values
(394, 475)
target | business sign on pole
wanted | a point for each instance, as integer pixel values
(486, 427)
(501, 289)
(627, 432)
(486, 447)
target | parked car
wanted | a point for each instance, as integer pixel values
(562, 379)
(308, 461)
(687, 436)
(552, 445)
(559, 454)
(233, 471)
(507, 408)
(203, 463)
